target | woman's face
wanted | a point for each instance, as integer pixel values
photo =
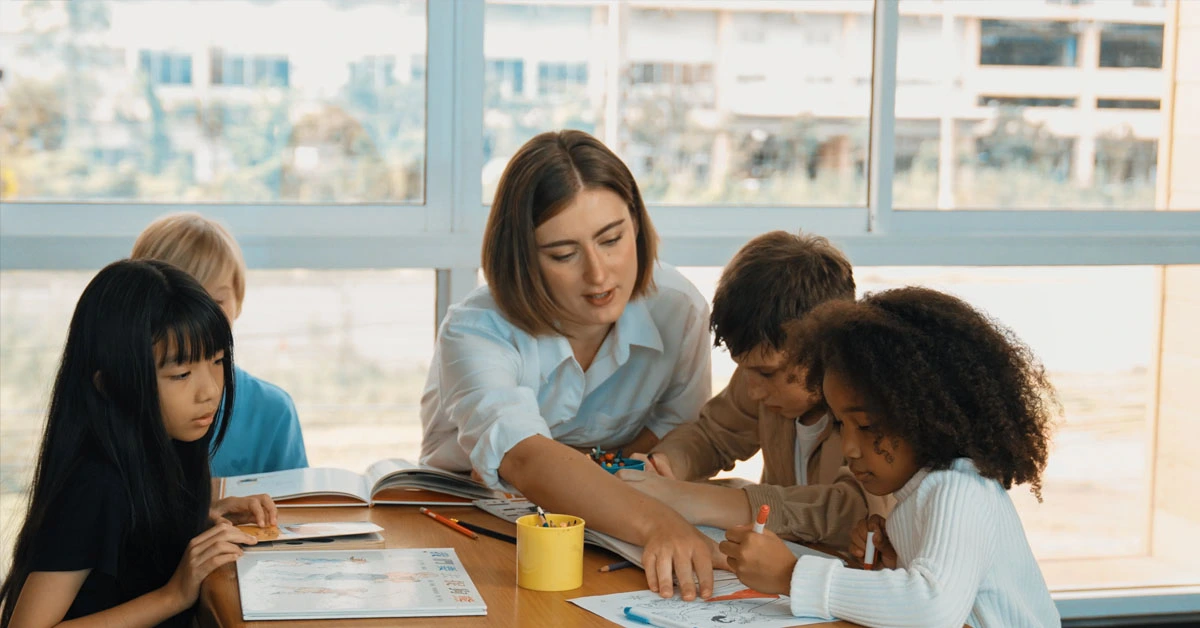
(588, 257)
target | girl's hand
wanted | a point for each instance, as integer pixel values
(206, 552)
(660, 465)
(256, 509)
(885, 554)
(761, 561)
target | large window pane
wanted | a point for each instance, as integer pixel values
(351, 347)
(706, 105)
(1099, 524)
(1028, 105)
(225, 101)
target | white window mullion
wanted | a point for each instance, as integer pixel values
(882, 162)
(467, 111)
(439, 117)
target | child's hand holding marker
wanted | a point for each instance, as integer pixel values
(870, 545)
(758, 557)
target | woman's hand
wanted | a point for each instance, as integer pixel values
(676, 547)
(256, 509)
(761, 561)
(206, 552)
(885, 554)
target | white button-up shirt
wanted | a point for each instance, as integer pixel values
(491, 385)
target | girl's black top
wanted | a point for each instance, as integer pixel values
(88, 527)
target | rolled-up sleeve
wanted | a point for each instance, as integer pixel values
(482, 395)
(691, 384)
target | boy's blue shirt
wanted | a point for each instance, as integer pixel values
(264, 431)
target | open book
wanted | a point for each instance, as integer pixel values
(356, 583)
(513, 509)
(392, 481)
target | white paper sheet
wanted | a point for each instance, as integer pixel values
(760, 613)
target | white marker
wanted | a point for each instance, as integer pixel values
(869, 554)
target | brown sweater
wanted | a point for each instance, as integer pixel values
(733, 427)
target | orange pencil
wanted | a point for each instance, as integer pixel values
(446, 522)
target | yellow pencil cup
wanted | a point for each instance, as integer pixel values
(550, 559)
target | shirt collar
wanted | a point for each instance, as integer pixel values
(910, 487)
(634, 327)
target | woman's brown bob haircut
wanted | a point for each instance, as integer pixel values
(541, 179)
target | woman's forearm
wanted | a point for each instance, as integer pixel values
(560, 479)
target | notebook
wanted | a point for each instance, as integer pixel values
(337, 535)
(356, 584)
(372, 540)
(393, 481)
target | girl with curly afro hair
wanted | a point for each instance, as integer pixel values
(946, 409)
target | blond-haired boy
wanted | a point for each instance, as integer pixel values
(264, 431)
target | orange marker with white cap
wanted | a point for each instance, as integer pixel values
(759, 524)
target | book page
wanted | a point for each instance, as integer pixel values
(354, 584)
(396, 472)
(296, 483)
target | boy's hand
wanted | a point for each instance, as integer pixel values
(256, 509)
(761, 561)
(885, 554)
(663, 489)
(657, 464)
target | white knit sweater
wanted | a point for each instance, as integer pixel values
(962, 558)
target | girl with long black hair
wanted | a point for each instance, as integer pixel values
(119, 529)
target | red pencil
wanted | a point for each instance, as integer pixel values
(446, 522)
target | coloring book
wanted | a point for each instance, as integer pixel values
(356, 584)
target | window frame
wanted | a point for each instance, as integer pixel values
(444, 231)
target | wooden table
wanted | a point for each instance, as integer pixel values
(491, 563)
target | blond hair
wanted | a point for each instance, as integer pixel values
(199, 246)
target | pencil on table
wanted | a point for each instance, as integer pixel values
(485, 531)
(448, 523)
(615, 566)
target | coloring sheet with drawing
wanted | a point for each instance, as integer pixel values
(772, 612)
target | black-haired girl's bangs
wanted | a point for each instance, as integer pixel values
(195, 330)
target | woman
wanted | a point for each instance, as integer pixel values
(580, 339)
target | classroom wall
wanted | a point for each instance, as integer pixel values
(1177, 514)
